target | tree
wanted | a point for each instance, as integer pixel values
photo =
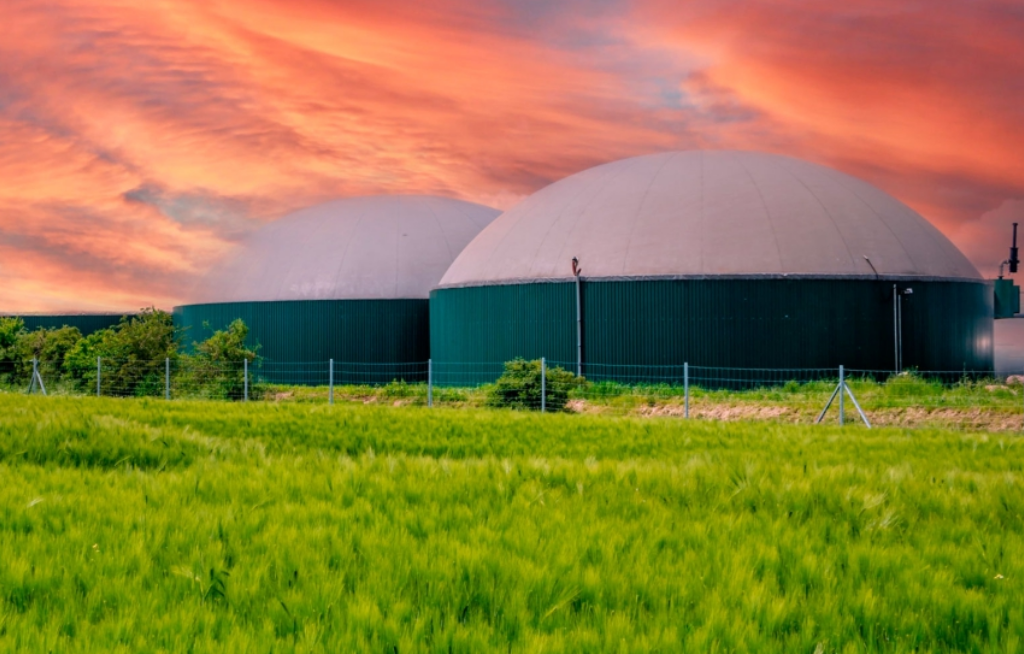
(18, 347)
(80, 362)
(132, 353)
(217, 367)
(11, 329)
(49, 346)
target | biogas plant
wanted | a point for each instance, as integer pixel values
(712, 258)
(348, 280)
(731, 259)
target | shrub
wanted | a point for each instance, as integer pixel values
(519, 386)
(11, 330)
(19, 347)
(80, 361)
(133, 354)
(217, 369)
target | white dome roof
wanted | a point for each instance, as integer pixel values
(381, 247)
(708, 213)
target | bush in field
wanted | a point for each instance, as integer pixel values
(11, 329)
(18, 347)
(49, 345)
(217, 367)
(133, 354)
(519, 386)
(80, 361)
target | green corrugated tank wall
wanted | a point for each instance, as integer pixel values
(371, 341)
(729, 323)
(87, 323)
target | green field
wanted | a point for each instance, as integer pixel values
(143, 525)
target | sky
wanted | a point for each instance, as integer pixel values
(140, 140)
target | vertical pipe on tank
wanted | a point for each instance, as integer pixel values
(899, 330)
(895, 330)
(576, 270)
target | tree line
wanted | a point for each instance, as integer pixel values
(133, 357)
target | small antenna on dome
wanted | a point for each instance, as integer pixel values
(1013, 260)
(872, 266)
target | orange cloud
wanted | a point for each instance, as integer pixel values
(137, 140)
(923, 99)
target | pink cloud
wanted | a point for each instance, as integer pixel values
(138, 141)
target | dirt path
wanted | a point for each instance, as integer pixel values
(967, 418)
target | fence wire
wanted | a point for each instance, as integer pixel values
(964, 399)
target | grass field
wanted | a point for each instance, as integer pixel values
(142, 525)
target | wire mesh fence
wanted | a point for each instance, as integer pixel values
(964, 399)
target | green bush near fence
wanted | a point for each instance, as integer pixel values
(216, 370)
(519, 386)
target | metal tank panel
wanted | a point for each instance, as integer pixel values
(728, 323)
(298, 337)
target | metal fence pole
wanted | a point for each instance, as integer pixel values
(35, 374)
(543, 385)
(430, 382)
(39, 376)
(99, 372)
(686, 390)
(842, 386)
(245, 367)
(330, 383)
(167, 379)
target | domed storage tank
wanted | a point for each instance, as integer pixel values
(347, 280)
(720, 259)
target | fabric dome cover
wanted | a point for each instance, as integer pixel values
(708, 213)
(380, 247)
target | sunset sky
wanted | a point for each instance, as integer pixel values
(138, 140)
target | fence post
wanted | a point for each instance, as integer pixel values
(330, 382)
(245, 367)
(35, 374)
(99, 372)
(842, 387)
(686, 390)
(430, 382)
(543, 385)
(167, 378)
